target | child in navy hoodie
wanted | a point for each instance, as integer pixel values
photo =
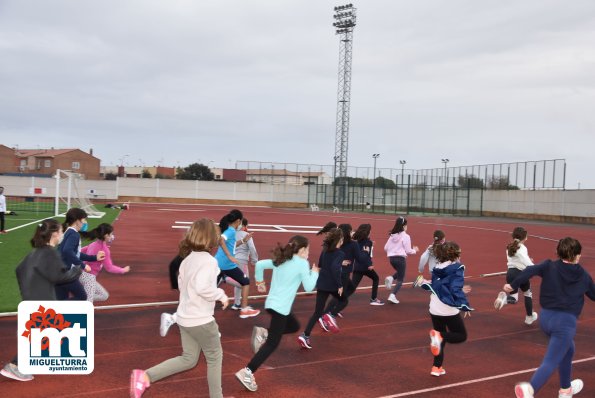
(562, 296)
(365, 268)
(70, 250)
(328, 284)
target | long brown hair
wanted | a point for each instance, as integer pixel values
(332, 239)
(202, 236)
(43, 232)
(519, 234)
(282, 254)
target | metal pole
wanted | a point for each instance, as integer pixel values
(375, 156)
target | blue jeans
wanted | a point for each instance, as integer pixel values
(560, 327)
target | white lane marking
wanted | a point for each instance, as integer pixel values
(472, 381)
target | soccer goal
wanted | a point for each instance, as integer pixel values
(69, 193)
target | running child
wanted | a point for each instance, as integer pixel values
(199, 331)
(38, 274)
(361, 268)
(328, 284)
(245, 253)
(290, 269)
(327, 227)
(447, 300)
(227, 261)
(397, 247)
(70, 249)
(518, 260)
(562, 297)
(104, 234)
(353, 253)
(428, 257)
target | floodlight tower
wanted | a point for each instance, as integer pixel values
(344, 23)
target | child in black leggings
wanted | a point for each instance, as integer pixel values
(447, 301)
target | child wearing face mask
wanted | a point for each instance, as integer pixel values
(104, 234)
(70, 250)
(228, 263)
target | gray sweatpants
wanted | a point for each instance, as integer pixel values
(203, 338)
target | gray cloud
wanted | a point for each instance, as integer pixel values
(477, 82)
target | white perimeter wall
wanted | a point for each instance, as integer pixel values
(572, 203)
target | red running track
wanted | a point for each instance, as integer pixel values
(380, 352)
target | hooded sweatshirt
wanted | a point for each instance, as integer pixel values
(563, 285)
(399, 245)
(448, 279)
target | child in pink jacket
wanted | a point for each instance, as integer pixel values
(104, 234)
(397, 247)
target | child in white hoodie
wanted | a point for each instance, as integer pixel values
(397, 247)
(197, 282)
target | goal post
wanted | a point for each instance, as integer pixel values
(69, 193)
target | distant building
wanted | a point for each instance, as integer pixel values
(45, 162)
(137, 171)
(282, 176)
(234, 175)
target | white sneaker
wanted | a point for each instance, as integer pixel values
(575, 387)
(12, 371)
(259, 337)
(393, 299)
(500, 301)
(166, 321)
(388, 282)
(247, 379)
(530, 319)
(523, 390)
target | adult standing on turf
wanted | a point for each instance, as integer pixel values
(562, 297)
(290, 269)
(229, 225)
(2, 210)
(38, 274)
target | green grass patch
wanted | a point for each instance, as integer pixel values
(16, 244)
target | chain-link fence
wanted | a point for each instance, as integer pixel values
(398, 198)
(535, 174)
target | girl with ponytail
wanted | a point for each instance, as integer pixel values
(290, 270)
(518, 259)
(229, 225)
(104, 237)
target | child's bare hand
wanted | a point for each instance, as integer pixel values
(507, 288)
(100, 255)
(224, 303)
(315, 268)
(466, 289)
(340, 291)
(416, 248)
(126, 269)
(87, 268)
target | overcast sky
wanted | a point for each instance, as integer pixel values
(176, 82)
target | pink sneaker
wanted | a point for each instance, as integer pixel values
(138, 383)
(331, 323)
(436, 342)
(248, 312)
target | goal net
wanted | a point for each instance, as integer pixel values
(70, 193)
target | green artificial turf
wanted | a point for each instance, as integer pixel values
(15, 245)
